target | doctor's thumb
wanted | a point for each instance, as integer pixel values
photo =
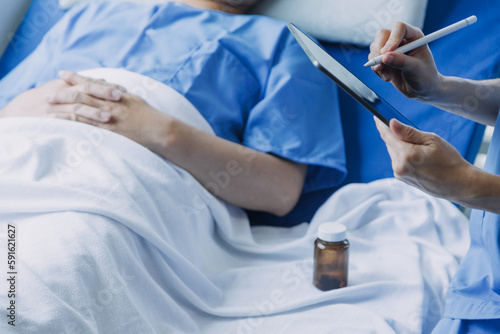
(406, 133)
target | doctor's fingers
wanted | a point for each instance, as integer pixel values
(401, 33)
(397, 161)
(96, 88)
(79, 112)
(380, 40)
(386, 73)
(397, 148)
(402, 169)
(407, 158)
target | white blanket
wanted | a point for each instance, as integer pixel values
(111, 238)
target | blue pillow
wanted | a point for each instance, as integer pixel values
(41, 16)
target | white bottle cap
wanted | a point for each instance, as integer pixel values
(332, 232)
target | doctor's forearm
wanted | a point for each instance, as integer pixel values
(483, 191)
(476, 100)
(241, 176)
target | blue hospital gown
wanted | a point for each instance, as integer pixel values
(245, 74)
(473, 301)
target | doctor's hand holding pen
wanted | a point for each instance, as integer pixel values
(423, 159)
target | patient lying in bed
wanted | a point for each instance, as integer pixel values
(113, 238)
(275, 119)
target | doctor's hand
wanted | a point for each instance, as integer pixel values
(427, 162)
(414, 74)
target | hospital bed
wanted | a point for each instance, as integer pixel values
(133, 278)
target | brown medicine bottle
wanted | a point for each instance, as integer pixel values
(331, 257)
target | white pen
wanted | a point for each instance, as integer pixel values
(427, 39)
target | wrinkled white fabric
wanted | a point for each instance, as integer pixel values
(111, 238)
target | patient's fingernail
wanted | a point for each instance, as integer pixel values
(104, 116)
(117, 94)
(122, 89)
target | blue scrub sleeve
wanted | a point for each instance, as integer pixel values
(298, 118)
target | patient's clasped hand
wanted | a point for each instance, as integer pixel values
(126, 241)
(241, 72)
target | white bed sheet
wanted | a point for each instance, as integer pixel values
(111, 238)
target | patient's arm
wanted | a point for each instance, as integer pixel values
(241, 176)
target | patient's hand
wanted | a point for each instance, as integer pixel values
(88, 98)
(129, 115)
(256, 180)
(32, 103)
